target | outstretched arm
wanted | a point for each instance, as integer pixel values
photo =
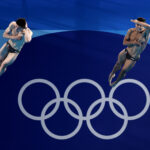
(146, 25)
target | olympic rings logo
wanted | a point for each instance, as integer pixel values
(80, 116)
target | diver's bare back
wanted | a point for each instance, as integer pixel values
(142, 37)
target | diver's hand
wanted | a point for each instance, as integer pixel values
(134, 20)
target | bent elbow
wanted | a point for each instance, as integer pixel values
(124, 42)
(4, 35)
(27, 40)
(28, 36)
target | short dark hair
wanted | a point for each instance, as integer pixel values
(141, 19)
(21, 22)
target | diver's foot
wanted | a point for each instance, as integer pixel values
(111, 76)
(113, 84)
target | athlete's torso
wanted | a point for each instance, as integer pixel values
(142, 37)
(16, 44)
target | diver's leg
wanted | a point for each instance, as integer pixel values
(3, 52)
(128, 65)
(8, 61)
(118, 65)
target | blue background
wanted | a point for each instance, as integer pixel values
(88, 48)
